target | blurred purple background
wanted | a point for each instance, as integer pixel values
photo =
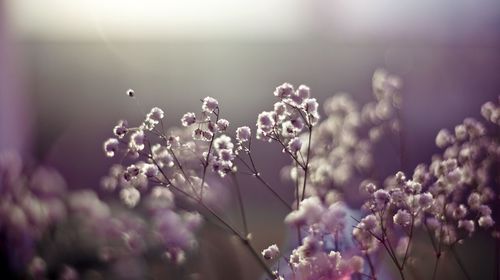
(65, 67)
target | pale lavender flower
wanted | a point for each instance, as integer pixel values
(222, 124)
(271, 252)
(111, 146)
(137, 141)
(402, 218)
(294, 145)
(130, 196)
(188, 119)
(121, 129)
(209, 104)
(243, 134)
(284, 91)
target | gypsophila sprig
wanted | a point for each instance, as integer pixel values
(450, 199)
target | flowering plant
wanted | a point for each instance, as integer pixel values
(175, 178)
(448, 199)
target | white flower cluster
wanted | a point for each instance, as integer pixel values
(294, 112)
(343, 140)
(403, 203)
(271, 252)
(171, 157)
(491, 112)
(449, 198)
(136, 140)
(223, 155)
(207, 126)
(31, 203)
(311, 261)
(318, 217)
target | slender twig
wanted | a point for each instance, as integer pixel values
(240, 202)
(409, 241)
(243, 239)
(256, 174)
(460, 263)
(297, 201)
(306, 167)
(372, 267)
(434, 271)
(205, 163)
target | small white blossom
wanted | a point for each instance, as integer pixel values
(150, 170)
(284, 91)
(382, 197)
(222, 124)
(137, 141)
(203, 135)
(156, 114)
(425, 200)
(121, 129)
(486, 221)
(443, 138)
(226, 155)
(280, 109)
(265, 121)
(311, 106)
(223, 142)
(111, 147)
(271, 252)
(294, 145)
(402, 218)
(188, 119)
(243, 133)
(130, 196)
(303, 91)
(209, 104)
(467, 225)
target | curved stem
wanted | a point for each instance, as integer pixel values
(434, 272)
(372, 267)
(205, 163)
(460, 263)
(306, 166)
(256, 174)
(240, 202)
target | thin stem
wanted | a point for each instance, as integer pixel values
(460, 263)
(297, 201)
(372, 267)
(243, 239)
(256, 174)
(176, 160)
(205, 163)
(306, 168)
(409, 241)
(434, 272)
(240, 202)
(387, 244)
(273, 191)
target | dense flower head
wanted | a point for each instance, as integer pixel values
(449, 198)
(243, 134)
(188, 119)
(271, 252)
(284, 91)
(342, 143)
(32, 202)
(209, 104)
(293, 111)
(312, 260)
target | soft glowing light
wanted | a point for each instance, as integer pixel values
(155, 19)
